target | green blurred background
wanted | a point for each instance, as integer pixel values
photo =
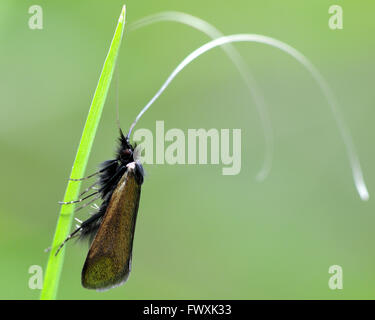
(199, 234)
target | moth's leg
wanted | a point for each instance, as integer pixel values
(81, 194)
(84, 225)
(92, 219)
(85, 178)
(79, 200)
(110, 163)
(119, 172)
(88, 189)
(79, 221)
(72, 235)
(91, 226)
(95, 207)
(87, 203)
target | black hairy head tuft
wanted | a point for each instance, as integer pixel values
(124, 150)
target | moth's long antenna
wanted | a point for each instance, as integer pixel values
(239, 63)
(345, 134)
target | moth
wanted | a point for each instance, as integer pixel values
(111, 229)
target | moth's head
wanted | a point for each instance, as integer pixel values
(126, 155)
(125, 150)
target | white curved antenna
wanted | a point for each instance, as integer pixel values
(345, 134)
(240, 64)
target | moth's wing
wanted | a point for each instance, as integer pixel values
(108, 261)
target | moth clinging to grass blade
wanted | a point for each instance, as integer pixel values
(111, 229)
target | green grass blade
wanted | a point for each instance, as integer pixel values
(55, 263)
